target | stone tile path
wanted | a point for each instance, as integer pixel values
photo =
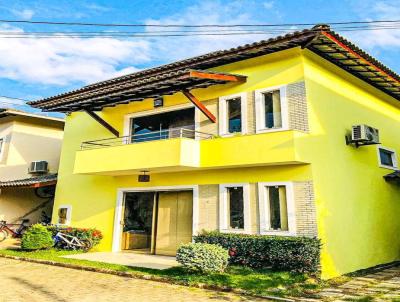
(383, 285)
(130, 259)
(24, 281)
(10, 243)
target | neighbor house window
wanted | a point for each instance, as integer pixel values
(1, 147)
(277, 213)
(387, 158)
(64, 215)
(271, 109)
(234, 208)
(232, 114)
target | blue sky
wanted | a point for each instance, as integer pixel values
(36, 68)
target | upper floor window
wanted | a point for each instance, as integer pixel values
(387, 158)
(271, 109)
(277, 213)
(232, 114)
(234, 208)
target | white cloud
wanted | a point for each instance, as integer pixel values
(207, 12)
(268, 4)
(62, 61)
(382, 38)
(25, 14)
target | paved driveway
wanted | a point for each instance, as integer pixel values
(25, 281)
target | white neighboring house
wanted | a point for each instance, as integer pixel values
(30, 147)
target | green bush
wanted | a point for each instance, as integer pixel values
(82, 233)
(297, 254)
(37, 237)
(203, 257)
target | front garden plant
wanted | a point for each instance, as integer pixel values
(37, 237)
(203, 257)
(295, 254)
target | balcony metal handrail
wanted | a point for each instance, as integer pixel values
(145, 137)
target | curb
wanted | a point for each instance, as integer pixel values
(146, 277)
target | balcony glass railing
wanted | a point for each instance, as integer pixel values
(145, 137)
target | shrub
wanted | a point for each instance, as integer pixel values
(36, 237)
(203, 257)
(297, 254)
(82, 233)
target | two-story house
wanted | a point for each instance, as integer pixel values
(30, 147)
(257, 139)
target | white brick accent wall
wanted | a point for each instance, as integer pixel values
(306, 218)
(297, 105)
(208, 207)
(251, 113)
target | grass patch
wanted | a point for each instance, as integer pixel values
(256, 282)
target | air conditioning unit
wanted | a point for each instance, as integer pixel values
(38, 167)
(364, 134)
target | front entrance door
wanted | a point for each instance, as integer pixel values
(138, 221)
(174, 221)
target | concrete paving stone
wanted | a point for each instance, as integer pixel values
(388, 285)
(31, 282)
(369, 280)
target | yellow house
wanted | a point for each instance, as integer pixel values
(30, 147)
(296, 136)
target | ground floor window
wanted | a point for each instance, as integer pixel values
(277, 210)
(387, 158)
(234, 208)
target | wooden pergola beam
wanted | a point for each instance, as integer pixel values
(199, 105)
(216, 76)
(102, 122)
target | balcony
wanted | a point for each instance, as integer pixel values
(182, 149)
(166, 150)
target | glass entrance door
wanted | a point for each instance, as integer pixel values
(138, 221)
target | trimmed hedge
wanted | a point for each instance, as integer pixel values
(82, 233)
(203, 257)
(36, 237)
(297, 254)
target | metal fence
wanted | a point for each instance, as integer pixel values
(146, 137)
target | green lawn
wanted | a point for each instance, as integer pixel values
(259, 282)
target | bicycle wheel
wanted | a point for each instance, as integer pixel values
(3, 235)
(87, 244)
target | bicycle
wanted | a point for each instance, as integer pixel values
(6, 230)
(70, 242)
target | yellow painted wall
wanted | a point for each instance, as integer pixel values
(357, 209)
(358, 212)
(93, 198)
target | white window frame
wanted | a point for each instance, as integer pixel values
(69, 214)
(265, 213)
(223, 208)
(394, 158)
(260, 109)
(223, 120)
